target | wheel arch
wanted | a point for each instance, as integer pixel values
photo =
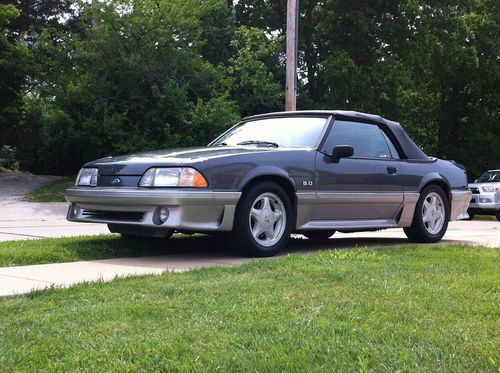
(438, 180)
(252, 188)
(272, 174)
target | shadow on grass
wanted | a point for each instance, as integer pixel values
(211, 246)
(72, 249)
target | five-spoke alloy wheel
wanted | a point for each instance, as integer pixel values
(431, 216)
(264, 219)
(433, 213)
(267, 219)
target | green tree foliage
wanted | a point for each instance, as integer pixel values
(136, 80)
(14, 67)
(250, 80)
(85, 79)
(432, 65)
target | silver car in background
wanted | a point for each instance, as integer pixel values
(486, 195)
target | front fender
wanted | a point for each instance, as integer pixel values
(262, 171)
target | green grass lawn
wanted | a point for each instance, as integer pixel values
(485, 217)
(71, 249)
(412, 308)
(51, 192)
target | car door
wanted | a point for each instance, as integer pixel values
(365, 189)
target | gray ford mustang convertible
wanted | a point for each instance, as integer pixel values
(308, 172)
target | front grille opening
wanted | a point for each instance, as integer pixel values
(474, 190)
(113, 215)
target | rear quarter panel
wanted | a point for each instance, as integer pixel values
(420, 174)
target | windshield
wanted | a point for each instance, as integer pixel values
(291, 132)
(490, 177)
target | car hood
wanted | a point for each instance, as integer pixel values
(137, 164)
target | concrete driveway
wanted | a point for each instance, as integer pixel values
(21, 220)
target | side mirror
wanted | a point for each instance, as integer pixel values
(475, 181)
(342, 151)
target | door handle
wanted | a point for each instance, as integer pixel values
(392, 170)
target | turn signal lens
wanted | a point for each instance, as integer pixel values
(192, 178)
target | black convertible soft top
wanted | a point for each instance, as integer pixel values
(410, 149)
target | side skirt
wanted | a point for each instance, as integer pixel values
(403, 217)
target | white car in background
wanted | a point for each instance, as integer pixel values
(485, 195)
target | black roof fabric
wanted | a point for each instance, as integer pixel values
(411, 150)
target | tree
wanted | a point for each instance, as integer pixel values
(135, 80)
(14, 65)
(82, 79)
(249, 79)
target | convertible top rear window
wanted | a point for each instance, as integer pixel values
(292, 132)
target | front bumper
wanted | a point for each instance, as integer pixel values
(485, 202)
(190, 210)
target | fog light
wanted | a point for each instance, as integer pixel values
(74, 210)
(485, 200)
(161, 215)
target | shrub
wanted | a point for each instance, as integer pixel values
(8, 158)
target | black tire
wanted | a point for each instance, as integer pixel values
(498, 216)
(426, 231)
(471, 216)
(138, 232)
(247, 223)
(322, 235)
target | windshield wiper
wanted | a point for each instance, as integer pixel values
(257, 142)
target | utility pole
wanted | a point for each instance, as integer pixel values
(292, 28)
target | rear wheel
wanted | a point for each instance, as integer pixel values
(264, 219)
(318, 235)
(431, 216)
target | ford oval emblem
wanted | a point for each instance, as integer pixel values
(115, 181)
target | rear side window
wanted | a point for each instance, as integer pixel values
(367, 140)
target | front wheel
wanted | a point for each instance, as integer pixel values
(498, 216)
(264, 219)
(431, 216)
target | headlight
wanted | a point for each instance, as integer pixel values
(488, 189)
(87, 177)
(173, 177)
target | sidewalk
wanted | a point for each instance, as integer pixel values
(21, 220)
(23, 279)
(27, 220)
